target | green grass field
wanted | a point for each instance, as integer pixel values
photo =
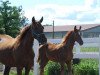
(88, 49)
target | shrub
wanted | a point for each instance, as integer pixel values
(52, 68)
(86, 67)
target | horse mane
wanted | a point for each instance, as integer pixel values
(8, 41)
(23, 32)
(67, 36)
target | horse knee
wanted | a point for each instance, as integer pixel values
(19, 70)
(27, 70)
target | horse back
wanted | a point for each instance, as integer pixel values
(6, 42)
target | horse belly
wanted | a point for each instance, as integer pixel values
(54, 57)
(7, 59)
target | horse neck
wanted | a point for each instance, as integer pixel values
(69, 42)
(25, 41)
(28, 40)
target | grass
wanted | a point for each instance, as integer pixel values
(1, 73)
(88, 49)
(14, 72)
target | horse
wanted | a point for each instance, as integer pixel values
(62, 53)
(18, 52)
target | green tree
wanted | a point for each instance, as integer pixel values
(11, 18)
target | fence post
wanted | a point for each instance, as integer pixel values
(36, 65)
(3, 68)
(77, 48)
(99, 55)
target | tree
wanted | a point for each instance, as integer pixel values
(11, 19)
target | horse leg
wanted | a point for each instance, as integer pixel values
(62, 68)
(42, 65)
(6, 70)
(27, 70)
(69, 65)
(19, 70)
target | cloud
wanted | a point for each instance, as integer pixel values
(87, 17)
(91, 3)
(63, 14)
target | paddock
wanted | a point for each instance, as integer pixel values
(88, 42)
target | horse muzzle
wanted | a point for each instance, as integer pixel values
(42, 39)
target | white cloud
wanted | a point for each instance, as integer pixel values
(89, 3)
(66, 14)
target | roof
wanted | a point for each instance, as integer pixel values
(69, 27)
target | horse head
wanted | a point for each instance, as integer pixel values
(77, 35)
(37, 31)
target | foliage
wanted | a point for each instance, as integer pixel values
(86, 67)
(52, 68)
(11, 18)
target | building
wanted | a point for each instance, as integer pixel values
(88, 30)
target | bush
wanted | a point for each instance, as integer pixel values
(86, 67)
(52, 68)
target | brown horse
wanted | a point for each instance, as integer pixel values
(61, 53)
(17, 52)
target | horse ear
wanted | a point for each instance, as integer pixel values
(41, 20)
(75, 28)
(33, 19)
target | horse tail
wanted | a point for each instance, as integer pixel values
(42, 52)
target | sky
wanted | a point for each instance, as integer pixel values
(63, 12)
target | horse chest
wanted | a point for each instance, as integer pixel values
(24, 58)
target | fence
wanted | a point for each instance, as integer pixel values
(88, 42)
